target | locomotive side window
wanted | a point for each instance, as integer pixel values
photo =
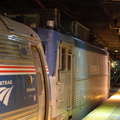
(69, 59)
(69, 62)
(63, 58)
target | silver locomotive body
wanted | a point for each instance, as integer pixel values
(79, 74)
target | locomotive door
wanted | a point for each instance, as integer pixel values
(40, 82)
(65, 77)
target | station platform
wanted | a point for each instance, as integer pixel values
(109, 110)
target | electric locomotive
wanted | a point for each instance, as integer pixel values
(79, 74)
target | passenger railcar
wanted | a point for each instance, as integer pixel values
(79, 74)
(23, 79)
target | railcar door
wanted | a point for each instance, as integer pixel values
(65, 78)
(40, 81)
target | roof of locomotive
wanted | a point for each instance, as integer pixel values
(10, 25)
(48, 35)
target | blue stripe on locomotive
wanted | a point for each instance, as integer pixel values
(51, 38)
(22, 94)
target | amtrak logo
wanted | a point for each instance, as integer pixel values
(5, 94)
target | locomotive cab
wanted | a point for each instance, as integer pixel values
(23, 77)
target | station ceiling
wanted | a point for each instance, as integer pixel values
(101, 17)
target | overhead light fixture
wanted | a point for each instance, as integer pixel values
(116, 51)
(118, 32)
